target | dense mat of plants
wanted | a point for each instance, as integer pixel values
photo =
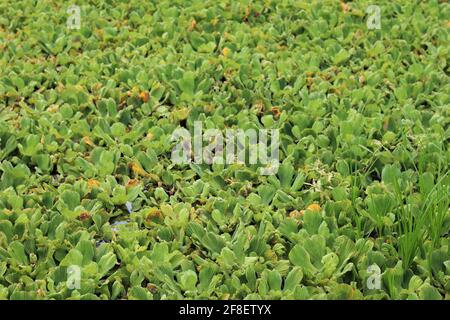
(86, 178)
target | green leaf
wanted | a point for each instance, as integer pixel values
(86, 249)
(274, 280)
(71, 199)
(138, 293)
(187, 280)
(285, 174)
(428, 292)
(17, 252)
(341, 56)
(187, 84)
(106, 263)
(73, 257)
(293, 279)
(300, 257)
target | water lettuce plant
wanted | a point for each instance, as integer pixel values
(92, 207)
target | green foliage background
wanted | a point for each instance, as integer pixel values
(364, 122)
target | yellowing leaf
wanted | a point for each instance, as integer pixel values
(144, 95)
(132, 183)
(344, 7)
(93, 183)
(192, 25)
(314, 207)
(296, 213)
(137, 169)
(88, 141)
(226, 51)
